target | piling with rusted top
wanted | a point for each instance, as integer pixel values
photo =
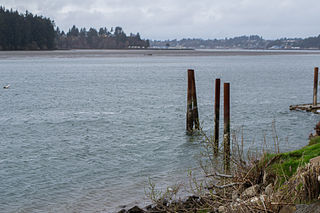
(226, 136)
(216, 116)
(192, 106)
(315, 86)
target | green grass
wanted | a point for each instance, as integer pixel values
(314, 140)
(288, 163)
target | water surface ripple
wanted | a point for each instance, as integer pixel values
(84, 134)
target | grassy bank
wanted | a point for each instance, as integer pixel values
(285, 165)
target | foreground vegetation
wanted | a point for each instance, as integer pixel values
(285, 165)
(257, 183)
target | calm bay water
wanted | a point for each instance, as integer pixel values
(83, 134)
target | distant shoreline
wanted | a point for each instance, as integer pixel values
(149, 53)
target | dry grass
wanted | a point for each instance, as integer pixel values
(217, 191)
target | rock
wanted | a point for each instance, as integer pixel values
(165, 202)
(122, 211)
(269, 189)
(192, 198)
(192, 201)
(288, 209)
(149, 207)
(135, 209)
(242, 188)
(311, 208)
(221, 209)
(235, 195)
(251, 191)
(253, 200)
(315, 161)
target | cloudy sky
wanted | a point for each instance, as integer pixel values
(170, 19)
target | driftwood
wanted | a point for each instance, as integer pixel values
(220, 175)
(223, 186)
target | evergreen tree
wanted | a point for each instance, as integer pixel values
(25, 31)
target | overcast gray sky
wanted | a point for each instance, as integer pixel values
(170, 19)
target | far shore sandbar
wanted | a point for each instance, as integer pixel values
(148, 53)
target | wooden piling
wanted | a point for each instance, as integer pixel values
(216, 116)
(192, 117)
(226, 136)
(195, 104)
(315, 86)
(189, 121)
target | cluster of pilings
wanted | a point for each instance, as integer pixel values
(192, 117)
(314, 107)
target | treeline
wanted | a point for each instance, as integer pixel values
(25, 31)
(242, 42)
(102, 39)
(311, 42)
(307, 43)
(246, 42)
(32, 32)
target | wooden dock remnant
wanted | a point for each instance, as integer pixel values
(216, 116)
(306, 107)
(192, 119)
(226, 135)
(315, 106)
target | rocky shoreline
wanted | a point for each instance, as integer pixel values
(256, 187)
(253, 196)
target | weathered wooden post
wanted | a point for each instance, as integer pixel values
(216, 116)
(315, 86)
(192, 106)
(226, 136)
(189, 116)
(195, 104)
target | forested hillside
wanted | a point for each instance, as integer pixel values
(32, 32)
(25, 31)
(102, 39)
(242, 42)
